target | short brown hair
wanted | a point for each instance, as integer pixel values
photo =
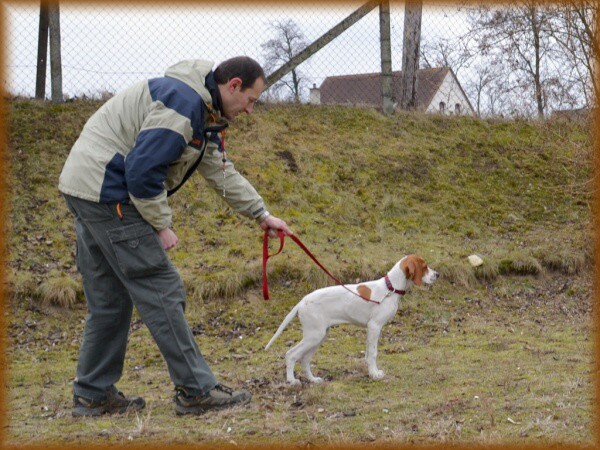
(243, 67)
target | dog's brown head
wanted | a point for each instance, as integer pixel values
(414, 268)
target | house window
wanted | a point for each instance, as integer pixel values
(457, 109)
(442, 107)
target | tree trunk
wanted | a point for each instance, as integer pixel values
(386, 58)
(536, 76)
(296, 85)
(410, 53)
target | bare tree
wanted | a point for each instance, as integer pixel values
(288, 42)
(442, 52)
(515, 39)
(480, 88)
(574, 29)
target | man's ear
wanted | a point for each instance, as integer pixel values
(234, 83)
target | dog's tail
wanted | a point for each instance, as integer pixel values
(284, 324)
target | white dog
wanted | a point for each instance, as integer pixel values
(371, 304)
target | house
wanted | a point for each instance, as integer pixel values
(573, 114)
(438, 91)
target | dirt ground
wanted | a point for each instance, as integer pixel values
(509, 362)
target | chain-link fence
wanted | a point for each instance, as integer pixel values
(475, 60)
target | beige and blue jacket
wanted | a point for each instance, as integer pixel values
(145, 142)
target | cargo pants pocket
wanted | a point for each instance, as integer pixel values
(138, 250)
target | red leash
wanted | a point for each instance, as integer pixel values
(266, 257)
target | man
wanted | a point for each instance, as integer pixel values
(135, 151)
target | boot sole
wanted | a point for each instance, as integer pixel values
(88, 412)
(181, 410)
(102, 410)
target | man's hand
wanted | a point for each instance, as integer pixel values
(168, 238)
(273, 224)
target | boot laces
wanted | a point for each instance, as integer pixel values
(225, 389)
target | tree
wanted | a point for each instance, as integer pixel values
(288, 42)
(485, 88)
(443, 52)
(515, 38)
(574, 29)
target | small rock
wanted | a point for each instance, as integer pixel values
(475, 260)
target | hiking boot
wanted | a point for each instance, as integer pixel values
(115, 402)
(219, 397)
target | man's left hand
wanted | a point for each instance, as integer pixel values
(274, 224)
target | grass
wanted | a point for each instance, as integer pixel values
(501, 353)
(436, 354)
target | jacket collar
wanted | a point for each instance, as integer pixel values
(215, 94)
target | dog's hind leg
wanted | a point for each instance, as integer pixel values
(291, 356)
(310, 340)
(307, 357)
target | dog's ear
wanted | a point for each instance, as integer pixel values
(414, 268)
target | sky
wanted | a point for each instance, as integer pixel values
(106, 48)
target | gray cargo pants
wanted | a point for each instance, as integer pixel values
(123, 264)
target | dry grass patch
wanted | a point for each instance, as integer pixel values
(520, 265)
(566, 262)
(460, 274)
(60, 289)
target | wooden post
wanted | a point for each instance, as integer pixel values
(386, 58)
(40, 79)
(410, 53)
(321, 42)
(55, 54)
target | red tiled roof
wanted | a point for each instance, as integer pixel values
(365, 88)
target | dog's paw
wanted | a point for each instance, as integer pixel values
(376, 374)
(316, 380)
(295, 382)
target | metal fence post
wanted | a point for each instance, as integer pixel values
(386, 58)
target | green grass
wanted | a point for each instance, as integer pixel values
(501, 353)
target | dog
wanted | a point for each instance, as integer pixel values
(371, 304)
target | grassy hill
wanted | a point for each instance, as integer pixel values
(360, 190)
(498, 354)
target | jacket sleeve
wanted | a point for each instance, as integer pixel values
(239, 193)
(162, 139)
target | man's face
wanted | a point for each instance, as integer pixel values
(235, 100)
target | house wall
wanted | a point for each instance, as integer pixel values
(314, 97)
(450, 93)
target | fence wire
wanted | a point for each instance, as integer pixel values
(465, 70)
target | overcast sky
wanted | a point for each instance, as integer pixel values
(106, 48)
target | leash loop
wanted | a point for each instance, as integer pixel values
(266, 257)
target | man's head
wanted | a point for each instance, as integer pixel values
(241, 80)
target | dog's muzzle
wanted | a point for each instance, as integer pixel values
(431, 276)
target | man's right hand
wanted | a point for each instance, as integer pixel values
(168, 238)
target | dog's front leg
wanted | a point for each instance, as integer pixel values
(373, 332)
